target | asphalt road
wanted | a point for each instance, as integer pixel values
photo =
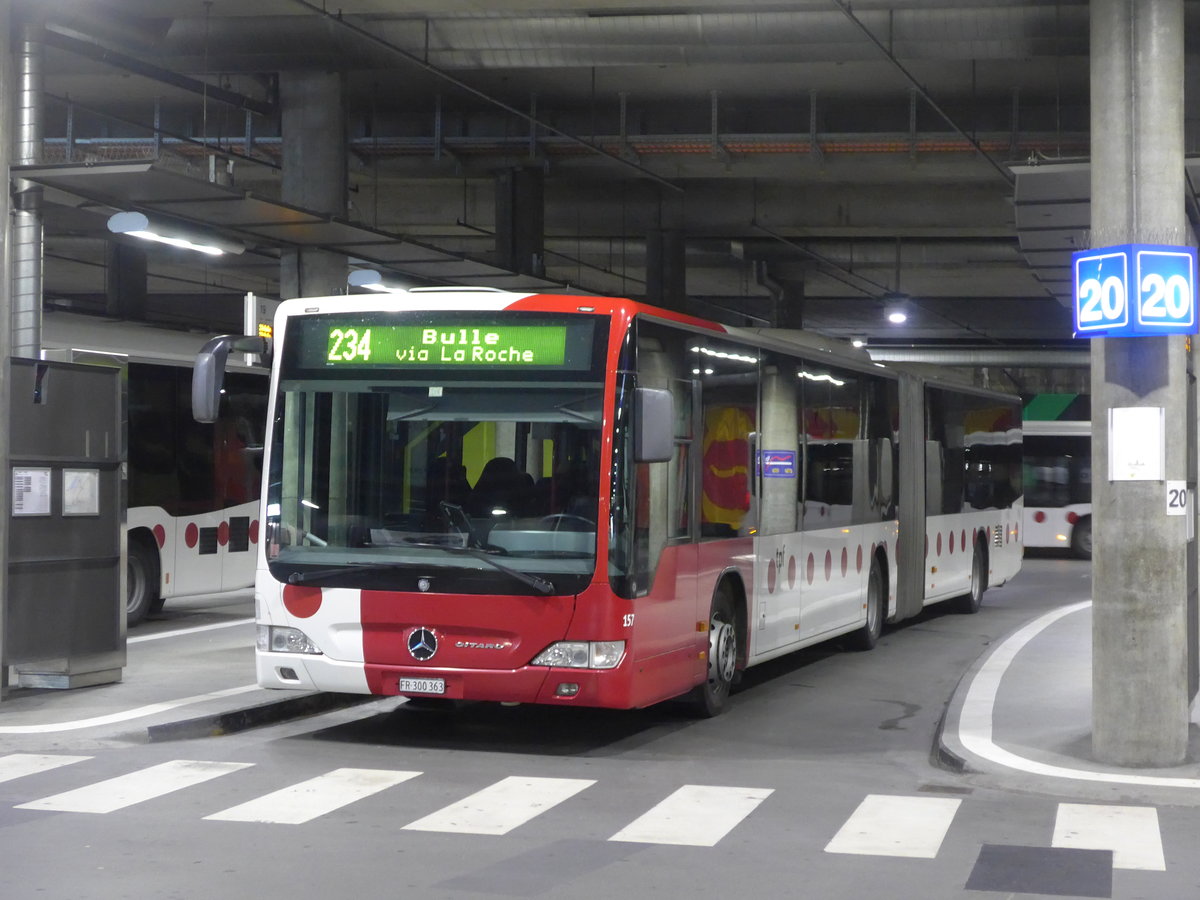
(819, 782)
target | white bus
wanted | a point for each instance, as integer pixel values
(587, 501)
(1058, 485)
(192, 521)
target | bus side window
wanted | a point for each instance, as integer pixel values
(664, 489)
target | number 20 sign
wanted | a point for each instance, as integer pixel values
(1135, 290)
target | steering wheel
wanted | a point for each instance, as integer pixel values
(555, 521)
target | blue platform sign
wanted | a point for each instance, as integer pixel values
(1135, 290)
(777, 463)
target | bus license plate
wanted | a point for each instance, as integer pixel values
(422, 685)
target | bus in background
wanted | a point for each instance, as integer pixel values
(479, 495)
(192, 489)
(1058, 473)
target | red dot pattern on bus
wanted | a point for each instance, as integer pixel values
(947, 541)
(160, 536)
(301, 601)
(191, 534)
(810, 573)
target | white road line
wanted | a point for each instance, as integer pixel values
(1130, 832)
(137, 639)
(136, 787)
(18, 765)
(694, 816)
(975, 719)
(307, 800)
(503, 806)
(126, 715)
(896, 826)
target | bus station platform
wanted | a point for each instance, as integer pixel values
(1019, 718)
(189, 673)
(1022, 716)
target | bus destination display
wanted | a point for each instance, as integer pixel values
(360, 344)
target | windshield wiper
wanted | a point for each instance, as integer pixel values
(356, 568)
(534, 581)
(459, 520)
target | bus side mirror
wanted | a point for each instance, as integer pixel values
(653, 425)
(208, 374)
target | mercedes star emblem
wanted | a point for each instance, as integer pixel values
(422, 644)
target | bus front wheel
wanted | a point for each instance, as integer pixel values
(710, 698)
(141, 574)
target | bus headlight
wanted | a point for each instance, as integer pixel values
(278, 639)
(582, 655)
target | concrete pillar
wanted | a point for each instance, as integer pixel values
(125, 281)
(786, 308)
(666, 270)
(521, 221)
(6, 106)
(1140, 555)
(314, 175)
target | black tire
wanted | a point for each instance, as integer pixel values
(141, 574)
(868, 636)
(970, 602)
(709, 699)
(1081, 538)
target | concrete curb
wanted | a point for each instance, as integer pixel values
(268, 713)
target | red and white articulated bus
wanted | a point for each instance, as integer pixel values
(480, 495)
(192, 510)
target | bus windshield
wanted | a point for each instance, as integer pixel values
(474, 479)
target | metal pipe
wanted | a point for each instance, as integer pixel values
(95, 52)
(482, 95)
(27, 241)
(1032, 358)
(925, 95)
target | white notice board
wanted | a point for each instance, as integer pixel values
(1137, 449)
(31, 492)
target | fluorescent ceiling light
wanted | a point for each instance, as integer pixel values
(139, 225)
(372, 280)
(895, 314)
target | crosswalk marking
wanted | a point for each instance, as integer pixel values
(695, 816)
(18, 765)
(896, 826)
(307, 800)
(1130, 832)
(126, 790)
(503, 806)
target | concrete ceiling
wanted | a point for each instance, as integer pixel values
(823, 158)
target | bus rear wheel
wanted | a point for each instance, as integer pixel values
(973, 599)
(867, 636)
(710, 698)
(141, 575)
